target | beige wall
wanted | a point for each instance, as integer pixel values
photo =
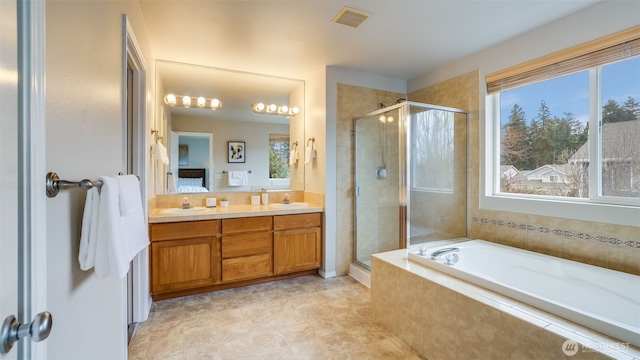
(84, 139)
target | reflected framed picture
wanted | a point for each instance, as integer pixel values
(237, 152)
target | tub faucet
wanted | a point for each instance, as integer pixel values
(447, 254)
(435, 254)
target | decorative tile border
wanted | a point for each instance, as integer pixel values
(625, 243)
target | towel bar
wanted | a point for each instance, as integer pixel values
(225, 171)
(54, 184)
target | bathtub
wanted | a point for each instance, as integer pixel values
(604, 300)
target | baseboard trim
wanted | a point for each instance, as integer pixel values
(327, 275)
(361, 275)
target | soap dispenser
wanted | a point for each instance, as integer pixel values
(265, 197)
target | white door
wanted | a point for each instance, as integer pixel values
(17, 275)
(8, 165)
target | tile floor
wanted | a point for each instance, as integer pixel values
(303, 318)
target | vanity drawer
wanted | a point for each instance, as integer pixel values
(241, 225)
(246, 244)
(183, 230)
(246, 267)
(297, 221)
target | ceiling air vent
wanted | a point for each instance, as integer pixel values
(350, 17)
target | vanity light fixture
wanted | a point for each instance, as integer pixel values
(186, 101)
(274, 109)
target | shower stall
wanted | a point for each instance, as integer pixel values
(410, 173)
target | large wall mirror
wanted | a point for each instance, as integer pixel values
(242, 145)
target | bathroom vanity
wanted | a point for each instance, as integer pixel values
(221, 249)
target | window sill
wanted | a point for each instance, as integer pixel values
(585, 211)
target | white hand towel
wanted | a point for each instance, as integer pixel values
(133, 235)
(309, 154)
(237, 178)
(159, 152)
(122, 231)
(89, 232)
(108, 224)
(293, 157)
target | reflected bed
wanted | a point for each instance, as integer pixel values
(192, 180)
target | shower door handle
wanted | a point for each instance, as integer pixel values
(357, 191)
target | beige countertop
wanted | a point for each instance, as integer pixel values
(233, 211)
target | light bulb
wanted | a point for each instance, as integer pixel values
(259, 107)
(186, 101)
(382, 119)
(272, 108)
(201, 101)
(215, 104)
(390, 119)
(294, 110)
(170, 99)
(283, 109)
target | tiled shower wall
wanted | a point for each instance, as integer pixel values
(353, 101)
(612, 246)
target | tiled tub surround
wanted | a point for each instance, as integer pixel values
(443, 317)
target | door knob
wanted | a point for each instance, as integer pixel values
(13, 331)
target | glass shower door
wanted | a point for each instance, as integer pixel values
(377, 184)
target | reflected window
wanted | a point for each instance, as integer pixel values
(278, 156)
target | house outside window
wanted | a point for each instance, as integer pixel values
(550, 149)
(567, 143)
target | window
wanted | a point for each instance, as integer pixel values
(563, 136)
(278, 156)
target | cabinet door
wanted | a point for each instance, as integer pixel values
(297, 250)
(184, 264)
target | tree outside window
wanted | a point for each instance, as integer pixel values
(550, 150)
(278, 156)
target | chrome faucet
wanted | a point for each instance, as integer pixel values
(438, 253)
(286, 199)
(185, 204)
(448, 255)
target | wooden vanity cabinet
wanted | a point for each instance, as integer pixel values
(297, 242)
(184, 255)
(247, 248)
(193, 257)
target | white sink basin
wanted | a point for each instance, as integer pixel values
(180, 211)
(293, 205)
